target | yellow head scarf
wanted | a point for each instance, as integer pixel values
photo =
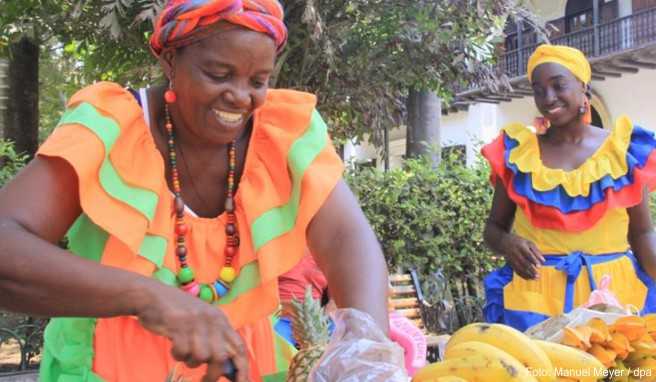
(571, 58)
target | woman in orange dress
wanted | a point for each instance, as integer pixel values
(182, 205)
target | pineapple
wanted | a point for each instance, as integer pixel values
(310, 329)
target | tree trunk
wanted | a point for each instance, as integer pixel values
(22, 113)
(423, 136)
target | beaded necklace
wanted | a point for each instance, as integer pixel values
(220, 287)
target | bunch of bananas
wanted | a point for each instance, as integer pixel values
(494, 352)
(628, 346)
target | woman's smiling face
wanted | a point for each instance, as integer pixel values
(220, 81)
(558, 94)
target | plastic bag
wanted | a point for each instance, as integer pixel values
(359, 352)
(602, 303)
(603, 295)
(552, 328)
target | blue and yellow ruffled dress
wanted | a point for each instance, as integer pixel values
(577, 218)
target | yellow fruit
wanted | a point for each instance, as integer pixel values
(600, 331)
(572, 363)
(473, 368)
(605, 356)
(633, 327)
(644, 369)
(620, 345)
(465, 349)
(620, 373)
(650, 322)
(577, 337)
(645, 345)
(510, 340)
(450, 378)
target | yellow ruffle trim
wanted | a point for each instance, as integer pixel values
(609, 159)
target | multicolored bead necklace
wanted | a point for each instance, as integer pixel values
(220, 287)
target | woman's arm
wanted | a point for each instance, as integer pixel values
(642, 236)
(347, 251)
(39, 278)
(522, 255)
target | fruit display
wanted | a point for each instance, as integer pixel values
(627, 346)
(481, 352)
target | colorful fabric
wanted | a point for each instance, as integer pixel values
(571, 58)
(293, 283)
(578, 218)
(565, 283)
(291, 169)
(574, 201)
(182, 20)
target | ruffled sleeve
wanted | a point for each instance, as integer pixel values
(291, 170)
(613, 177)
(295, 169)
(102, 136)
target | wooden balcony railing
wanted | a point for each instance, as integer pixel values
(600, 40)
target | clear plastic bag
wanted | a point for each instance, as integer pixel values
(552, 328)
(359, 352)
(602, 303)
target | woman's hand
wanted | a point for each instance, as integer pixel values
(523, 256)
(200, 333)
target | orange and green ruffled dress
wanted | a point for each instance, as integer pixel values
(577, 218)
(291, 168)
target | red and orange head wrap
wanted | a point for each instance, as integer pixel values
(181, 20)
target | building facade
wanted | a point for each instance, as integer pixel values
(619, 38)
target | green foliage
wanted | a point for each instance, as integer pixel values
(362, 56)
(10, 161)
(429, 218)
(359, 56)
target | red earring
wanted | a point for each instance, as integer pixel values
(169, 96)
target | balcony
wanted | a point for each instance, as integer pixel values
(623, 45)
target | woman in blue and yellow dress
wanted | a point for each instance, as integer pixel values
(571, 202)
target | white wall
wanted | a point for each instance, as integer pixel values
(631, 94)
(624, 7)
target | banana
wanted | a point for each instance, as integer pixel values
(450, 378)
(569, 362)
(473, 368)
(465, 349)
(510, 340)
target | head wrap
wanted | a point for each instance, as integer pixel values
(181, 21)
(573, 59)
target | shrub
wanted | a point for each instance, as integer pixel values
(10, 161)
(430, 219)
